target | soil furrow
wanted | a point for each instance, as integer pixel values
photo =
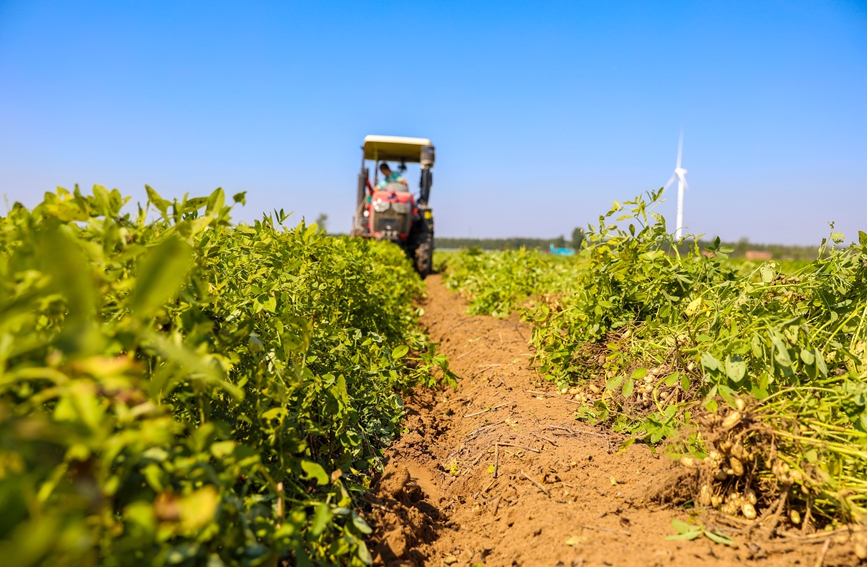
(500, 473)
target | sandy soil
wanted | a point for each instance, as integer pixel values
(500, 473)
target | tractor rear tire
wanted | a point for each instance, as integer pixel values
(424, 257)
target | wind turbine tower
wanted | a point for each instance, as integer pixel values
(680, 175)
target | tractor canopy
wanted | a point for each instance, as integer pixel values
(399, 149)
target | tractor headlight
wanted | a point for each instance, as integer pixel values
(380, 206)
(400, 208)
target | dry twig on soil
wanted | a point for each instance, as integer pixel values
(543, 438)
(486, 410)
(455, 326)
(478, 430)
(774, 518)
(575, 432)
(599, 528)
(479, 456)
(539, 486)
(821, 559)
(732, 522)
(816, 537)
(468, 352)
(504, 444)
(558, 396)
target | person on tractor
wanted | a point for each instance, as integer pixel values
(389, 176)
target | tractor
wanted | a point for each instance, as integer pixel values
(392, 212)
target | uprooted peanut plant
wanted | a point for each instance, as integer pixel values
(757, 373)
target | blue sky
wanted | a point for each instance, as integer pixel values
(542, 112)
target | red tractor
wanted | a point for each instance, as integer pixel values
(389, 210)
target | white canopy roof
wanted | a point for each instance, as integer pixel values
(394, 148)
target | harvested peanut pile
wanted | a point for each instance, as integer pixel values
(500, 473)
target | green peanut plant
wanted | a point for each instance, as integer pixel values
(179, 390)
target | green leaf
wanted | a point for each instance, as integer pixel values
(781, 353)
(710, 362)
(223, 449)
(364, 554)
(314, 471)
(274, 413)
(688, 536)
(639, 373)
(736, 368)
(70, 271)
(625, 445)
(820, 363)
(693, 307)
(161, 204)
(628, 387)
(194, 204)
(321, 517)
(399, 352)
(360, 524)
(807, 356)
(160, 273)
(215, 202)
(682, 527)
(756, 346)
(717, 537)
(767, 272)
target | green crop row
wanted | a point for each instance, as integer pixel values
(766, 368)
(175, 390)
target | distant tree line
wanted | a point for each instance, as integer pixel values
(779, 251)
(512, 243)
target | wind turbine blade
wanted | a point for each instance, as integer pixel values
(670, 181)
(683, 180)
(680, 148)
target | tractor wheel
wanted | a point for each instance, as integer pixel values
(424, 257)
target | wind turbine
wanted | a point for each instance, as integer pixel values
(680, 175)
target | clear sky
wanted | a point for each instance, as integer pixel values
(542, 112)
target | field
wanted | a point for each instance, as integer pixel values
(749, 374)
(179, 390)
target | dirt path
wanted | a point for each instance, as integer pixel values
(500, 473)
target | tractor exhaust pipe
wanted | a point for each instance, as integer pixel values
(362, 186)
(426, 160)
(425, 185)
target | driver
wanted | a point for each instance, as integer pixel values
(389, 176)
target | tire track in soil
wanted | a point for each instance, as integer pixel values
(495, 475)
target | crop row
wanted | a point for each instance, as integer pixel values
(175, 390)
(757, 375)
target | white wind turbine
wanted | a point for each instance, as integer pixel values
(680, 175)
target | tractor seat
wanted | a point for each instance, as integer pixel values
(396, 187)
